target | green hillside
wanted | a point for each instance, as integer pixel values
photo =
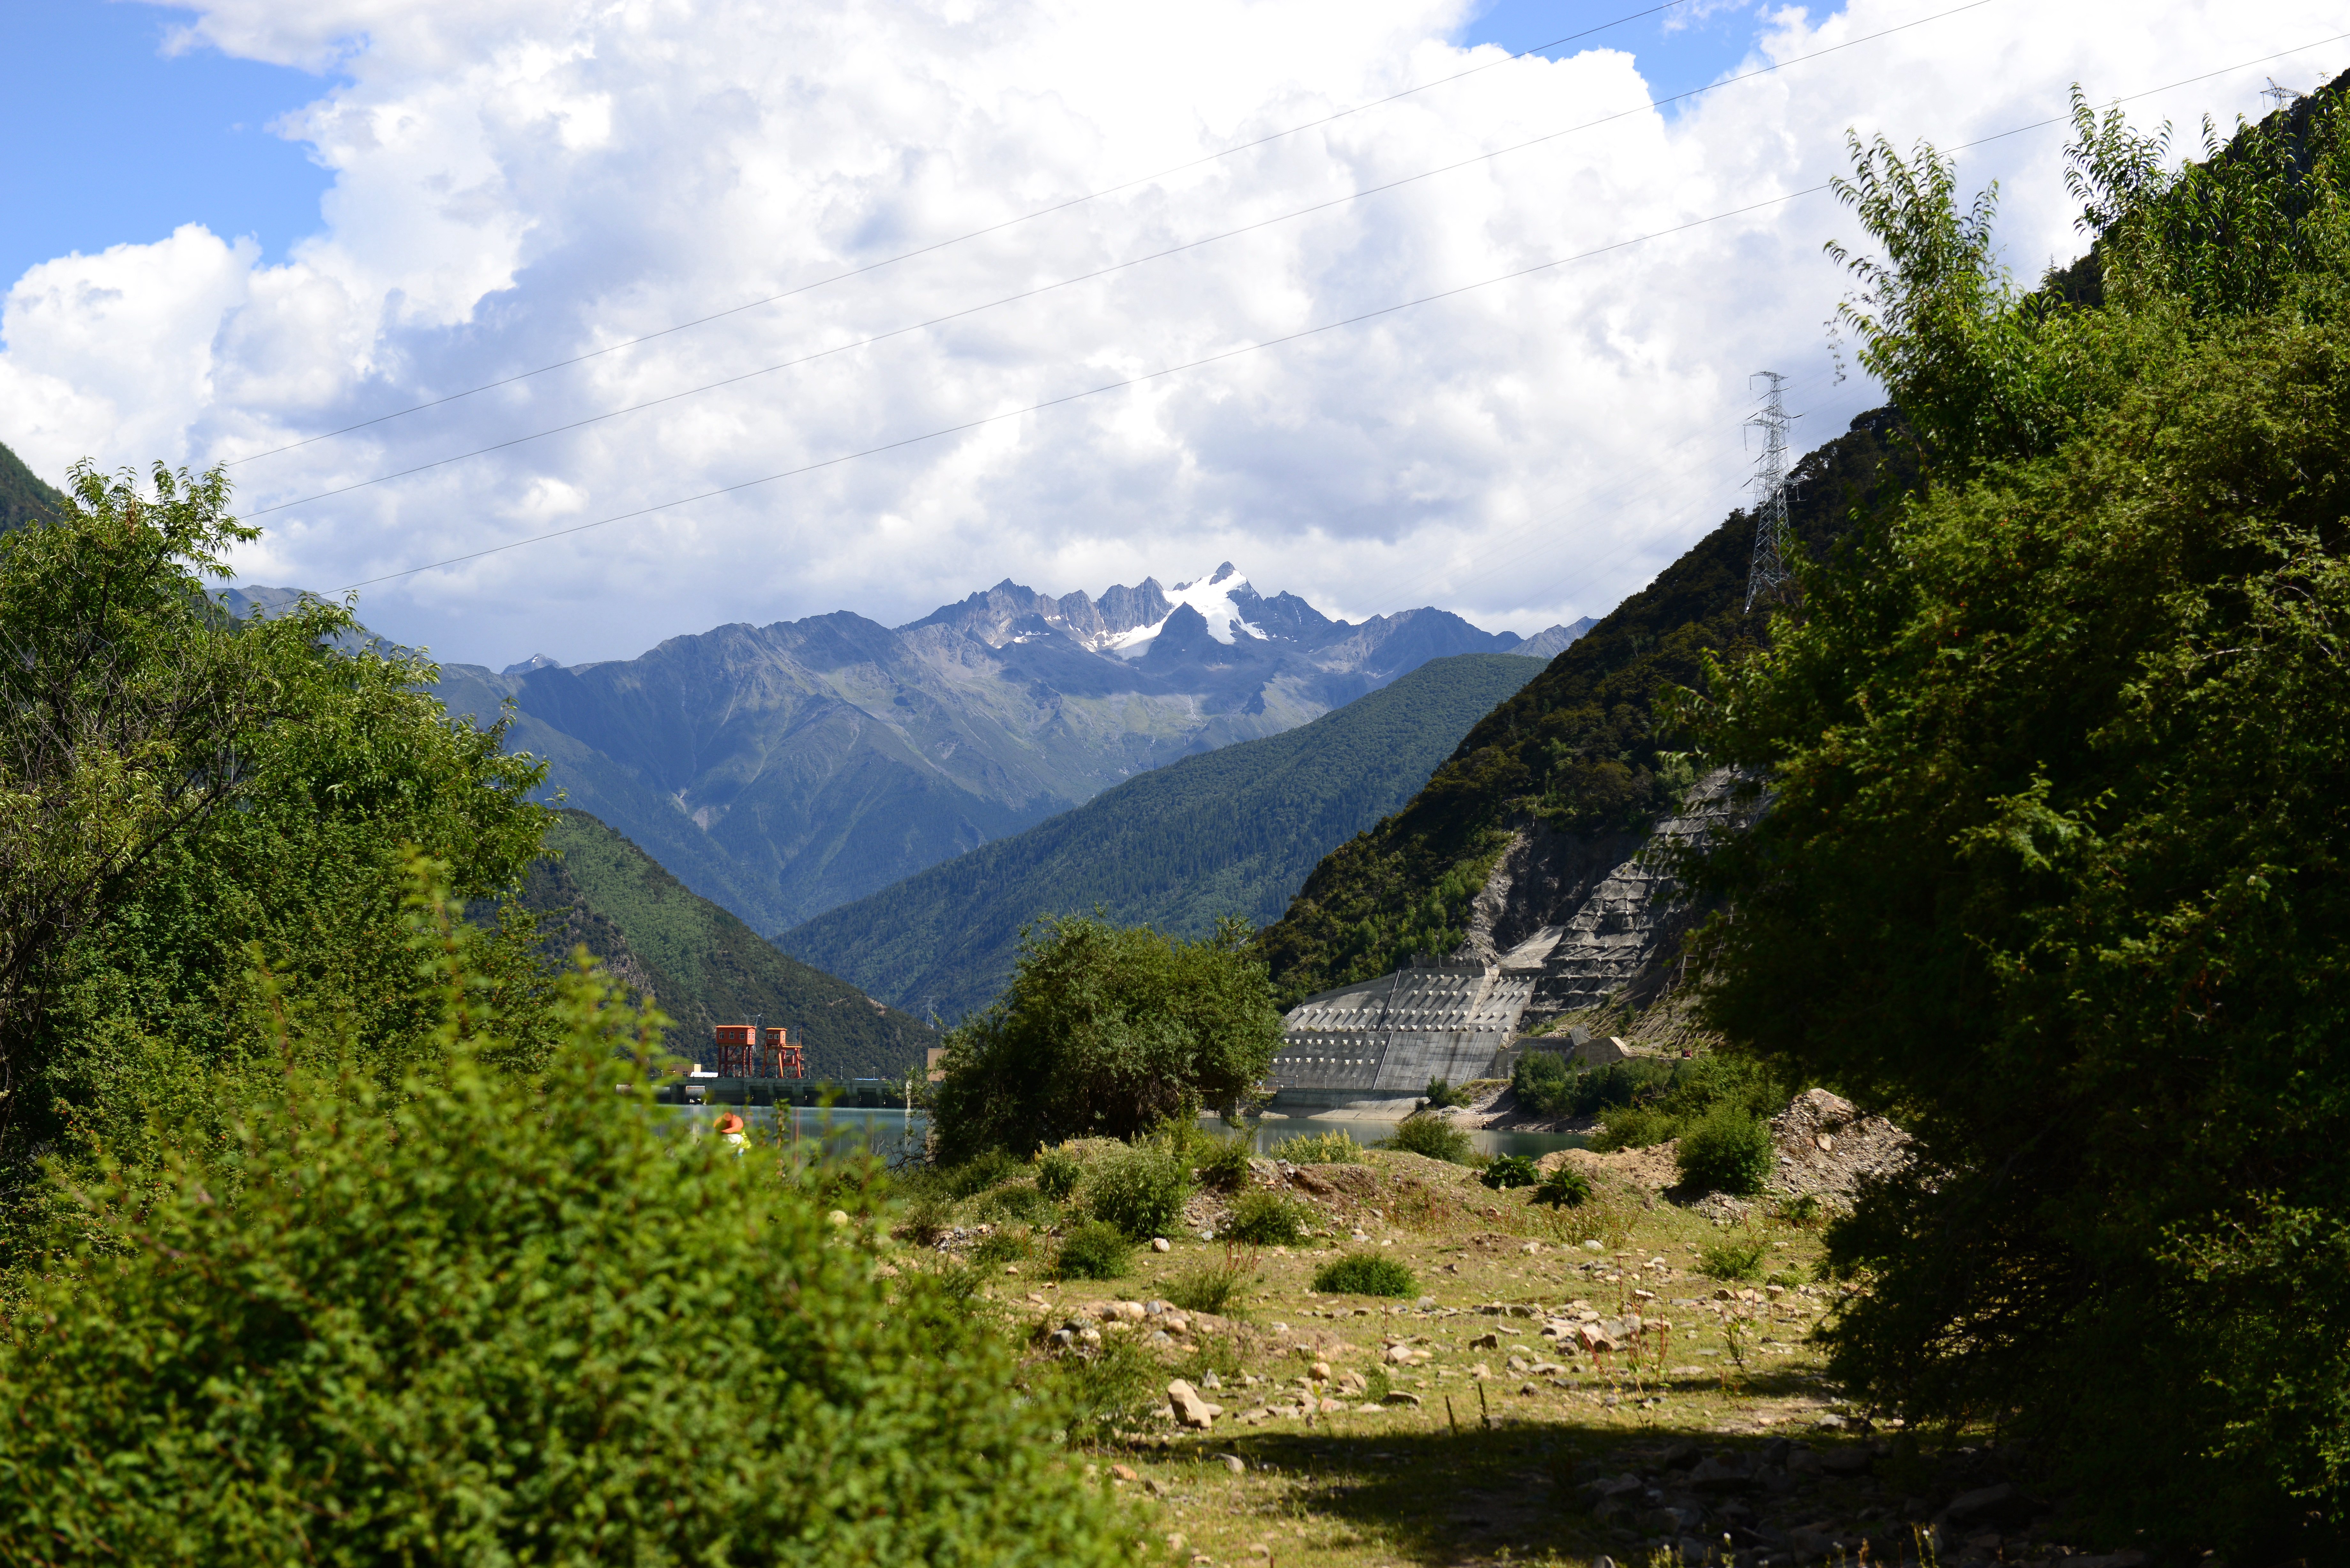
(1230, 832)
(22, 494)
(1578, 745)
(701, 964)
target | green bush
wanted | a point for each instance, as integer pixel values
(1636, 1126)
(1441, 1095)
(1365, 1275)
(1731, 1260)
(1433, 1137)
(1564, 1187)
(1510, 1171)
(1094, 1396)
(1225, 1166)
(1728, 1149)
(1057, 1174)
(1319, 1148)
(1265, 1218)
(1140, 1192)
(926, 1217)
(440, 1327)
(1095, 1250)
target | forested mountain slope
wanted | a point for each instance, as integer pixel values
(1578, 747)
(1231, 832)
(22, 494)
(701, 964)
(786, 769)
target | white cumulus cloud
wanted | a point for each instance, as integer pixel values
(520, 184)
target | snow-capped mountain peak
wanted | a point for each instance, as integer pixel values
(1219, 599)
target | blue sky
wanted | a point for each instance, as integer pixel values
(1685, 46)
(118, 142)
(134, 141)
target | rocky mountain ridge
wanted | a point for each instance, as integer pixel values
(786, 769)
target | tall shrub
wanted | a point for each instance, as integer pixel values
(483, 1324)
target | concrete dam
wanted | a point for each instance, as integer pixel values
(1565, 923)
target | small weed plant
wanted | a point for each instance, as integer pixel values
(1732, 1259)
(1094, 1250)
(1209, 1285)
(1265, 1218)
(1564, 1187)
(978, 1174)
(1510, 1171)
(1365, 1275)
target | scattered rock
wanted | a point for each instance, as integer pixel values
(1235, 1463)
(838, 1217)
(1124, 1472)
(1190, 1409)
(1160, 1244)
(1827, 1147)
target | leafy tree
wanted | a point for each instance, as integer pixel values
(2059, 761)
(465, 1324)
(183, 789)
(1107, 1031)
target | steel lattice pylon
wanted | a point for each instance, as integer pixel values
(1767, 580)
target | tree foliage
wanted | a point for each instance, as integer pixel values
(2058, 754)
(1107, 1031)
(182, 790)
(478, 1322)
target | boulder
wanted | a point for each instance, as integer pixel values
(2001, 1507)
(1191, 1410)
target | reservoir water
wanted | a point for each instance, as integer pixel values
(894, 1138)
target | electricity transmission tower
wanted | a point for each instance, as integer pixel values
(1767, 580)
(2283, 97)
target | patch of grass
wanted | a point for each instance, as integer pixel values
(1431, 1137)
(1265, 1219)
(1564, 1187)
(1805, 1213)
(1510, 1171)
(1731, 1260)
(1140, 1192)
(1019, 1202)
(928, 1215)
(1207, 1285)
(1057, 1174)
(977, 1174)
(1319, 1148)
(1365, 1275)
(1094, 1250)
(1001, 1247)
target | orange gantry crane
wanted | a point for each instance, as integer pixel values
(739, 1051)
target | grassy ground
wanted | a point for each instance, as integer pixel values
(1494, 1462)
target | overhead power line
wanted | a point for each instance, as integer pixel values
(1098, 273)
(1267, 343)
(936, 245)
